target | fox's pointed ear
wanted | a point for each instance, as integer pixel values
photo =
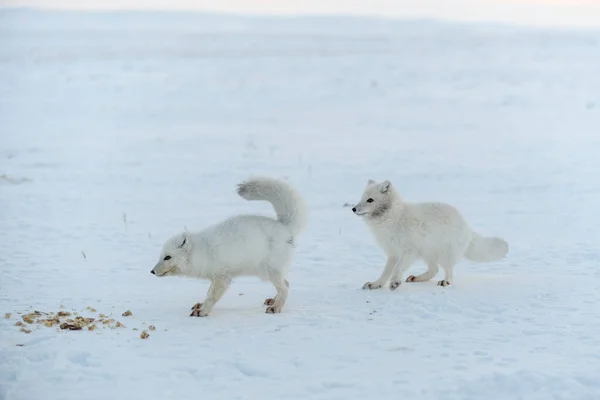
(385, 186)
(185, 240)
(370, 182)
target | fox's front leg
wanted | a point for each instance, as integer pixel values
(404, 262)
(217, 288)
(385, 275)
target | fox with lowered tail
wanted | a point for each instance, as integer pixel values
(434, 232)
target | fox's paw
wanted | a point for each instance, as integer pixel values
(273, 310)
(269, 302)
(199, 313)
(371, 286)
(443, 282)
(411, 278)
(394, 285)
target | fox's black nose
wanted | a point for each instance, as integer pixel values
(152, 272)
(353, 209)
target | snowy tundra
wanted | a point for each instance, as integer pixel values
(119, 129)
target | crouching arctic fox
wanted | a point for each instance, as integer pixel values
(243, 245)
(434, 232)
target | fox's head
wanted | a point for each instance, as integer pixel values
(173, 258)
(376, 199)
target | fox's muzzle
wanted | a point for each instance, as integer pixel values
(156, 270)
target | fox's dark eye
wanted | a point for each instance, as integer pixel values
(369, 200)
(167, 258)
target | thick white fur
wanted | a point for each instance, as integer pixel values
(434, 232)
(244, 245)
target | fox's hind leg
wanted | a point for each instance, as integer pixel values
(282, 287)
(270, 301)
(432, 269)
(448, 262)
(449, 277)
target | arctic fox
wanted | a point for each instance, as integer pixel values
(434, 232)
(243, 245)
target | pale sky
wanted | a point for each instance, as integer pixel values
(554, 12)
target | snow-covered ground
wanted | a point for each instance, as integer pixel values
(118, 130)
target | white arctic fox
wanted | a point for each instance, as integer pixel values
(434, 232)
(244, 245)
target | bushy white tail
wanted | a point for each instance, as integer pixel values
(287, 202)
(486, 249)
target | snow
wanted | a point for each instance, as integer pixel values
(120, 129)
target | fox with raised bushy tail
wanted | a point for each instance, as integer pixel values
(243, 245)
(434, 232)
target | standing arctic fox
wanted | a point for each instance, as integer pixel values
(434, 232)
(244, 245)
